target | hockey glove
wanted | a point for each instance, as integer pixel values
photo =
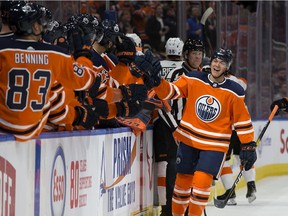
(140, 67)
(125, 49)
(101, 107)
(248, 155)
(80, 42)
(93, 90)
(156, 72)
(128, 109)
(282, 104)
(134, 92)
(86, 117)
(81, 96)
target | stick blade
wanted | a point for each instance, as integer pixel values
(206, 14)
(220, 203)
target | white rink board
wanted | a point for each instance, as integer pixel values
(101, 175)
(102, 172)
(17, 174)
(273, 148)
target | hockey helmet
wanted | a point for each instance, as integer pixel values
(225, 55)
(111, 31)
(135, 38)
(193, 45)
(46, 18)
(5, 8)
(89, 24)
(23, 15)
(57, 31)
(174, 46)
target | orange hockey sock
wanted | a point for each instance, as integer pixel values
(182, 193)
(200, 192)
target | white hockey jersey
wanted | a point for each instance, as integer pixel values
(169, 65)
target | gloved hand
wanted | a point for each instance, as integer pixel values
(282, 104)
(154, 76)
(81, 96)
(156, 72)
(101, 107)
(128, 108)
(248, 155)
(85, 117)
(80, 42)
(93, 90)
(134, 92)
(140, 67)
(125, 49)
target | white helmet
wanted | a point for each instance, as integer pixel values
(174, 46)
(135, 38)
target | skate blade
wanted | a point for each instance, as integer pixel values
(231, 202)
(251, 198)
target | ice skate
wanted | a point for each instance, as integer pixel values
(251, 191)
(231, 201)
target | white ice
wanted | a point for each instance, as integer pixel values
(272, 200)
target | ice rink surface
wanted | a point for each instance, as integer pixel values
(272, 200)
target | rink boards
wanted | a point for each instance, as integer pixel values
(272, 153)
(102, 172)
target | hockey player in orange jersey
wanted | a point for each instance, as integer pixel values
(227, 176)
(61, 115)
(30, 68)
(214, 104)
(129, 70)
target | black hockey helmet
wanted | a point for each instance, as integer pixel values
(194, 45)
(56, 32)
(46, 18)
(23, 15)
(111, 31)
(225, 55)
(89, 24)
(5, 8)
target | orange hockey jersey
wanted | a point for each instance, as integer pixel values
(28, 71)
(210, 111)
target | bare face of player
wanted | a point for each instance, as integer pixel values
(218, 68)
(194, 59)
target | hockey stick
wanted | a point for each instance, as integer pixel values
(222, 203)
(204, 17)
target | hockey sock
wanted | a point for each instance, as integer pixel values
(227, 176)
(182, 193)
(200, 192)
(161, 182)
(250, 174)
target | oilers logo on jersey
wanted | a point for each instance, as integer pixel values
(207, 108)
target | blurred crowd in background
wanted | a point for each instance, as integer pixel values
(254, 31)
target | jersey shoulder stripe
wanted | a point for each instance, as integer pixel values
(227, 84)
(30, 46)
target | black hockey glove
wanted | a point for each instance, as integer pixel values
(282, 104)
(80, 42)
(156, 72)
(128, 108)
(101, 107)
(93, 90)
(140, 67)
(248, 155)
(134, 92)
(86, 117)
(81, 96)
(154, 76)
(125, 49)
